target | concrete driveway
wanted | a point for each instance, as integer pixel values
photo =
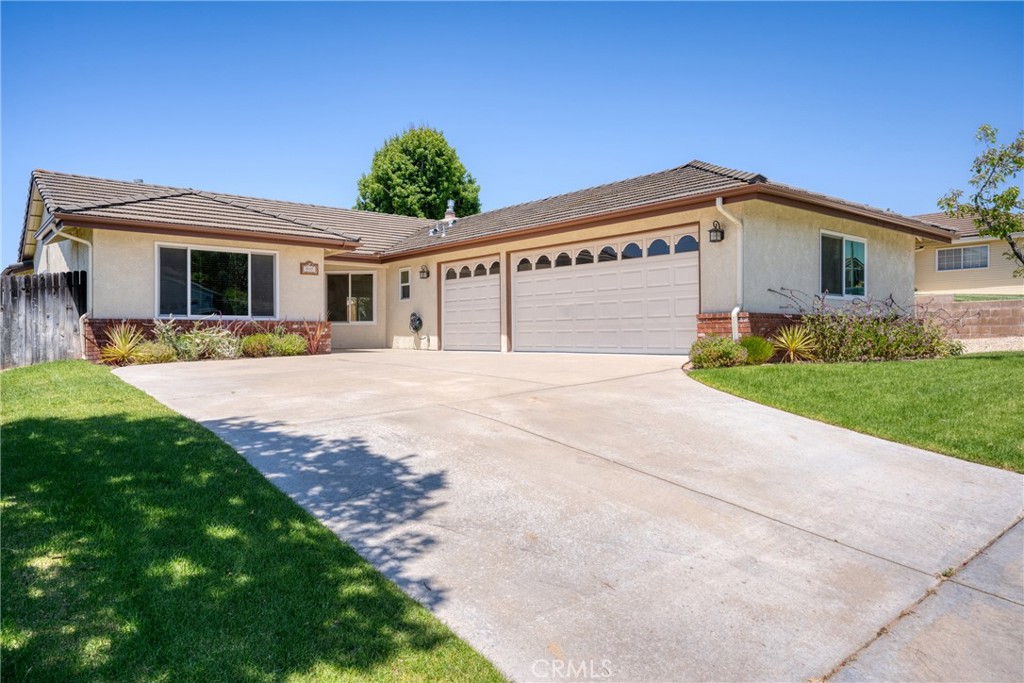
(584, 517)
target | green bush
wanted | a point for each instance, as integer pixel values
(861, 333)
(759, 349)
(287, 345)
(155, 352)
(717, 352)
(257, 345)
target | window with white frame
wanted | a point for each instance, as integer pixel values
(195, 282)
(961, 258)
(350, 297)
(843, 265)
(404, 283)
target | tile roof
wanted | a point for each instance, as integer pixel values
(694, 179)
(964, 227)
(387, 235)
(100, 198)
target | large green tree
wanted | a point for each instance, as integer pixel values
(415, 174)
(995, 201)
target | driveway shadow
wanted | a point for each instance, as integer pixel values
(360, 495)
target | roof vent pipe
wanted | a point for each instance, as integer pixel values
(739, 267)
(449, 214)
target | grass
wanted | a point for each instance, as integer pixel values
(969, 406)
(987, 297)
(137, 546)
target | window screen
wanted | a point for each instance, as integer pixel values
(832, 264)
(173, 281)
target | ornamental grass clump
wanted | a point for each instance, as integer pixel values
(759, 349)
(123, 341)
(716, 352)
(795, 342)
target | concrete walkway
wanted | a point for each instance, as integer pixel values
(582, 517)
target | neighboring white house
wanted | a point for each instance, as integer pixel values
(970, 265)
(637, 266)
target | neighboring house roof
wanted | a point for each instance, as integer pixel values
(964, 227)
(697, 180)
(99, 202)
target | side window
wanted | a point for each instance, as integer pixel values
(404, 283)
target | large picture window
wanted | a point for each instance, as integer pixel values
(202, 282)
(962, 258)
(843, 265)
(350, 297)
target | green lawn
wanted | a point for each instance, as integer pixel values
(137, 546)
(987, 297)
(971, 407)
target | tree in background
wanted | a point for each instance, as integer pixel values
(415, 174)
(995, 203)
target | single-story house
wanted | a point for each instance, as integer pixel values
(642, 265)
(972, 264)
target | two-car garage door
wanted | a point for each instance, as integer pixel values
(631, 295)
(637, 295)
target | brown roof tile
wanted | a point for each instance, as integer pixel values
(964, 227)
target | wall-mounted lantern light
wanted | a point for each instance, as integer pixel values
(716, 233)
(424, 273)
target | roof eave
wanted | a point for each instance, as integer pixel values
(184, 230)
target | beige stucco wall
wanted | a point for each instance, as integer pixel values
(63, 255)
(125, 274)
(996, 279)
(781, 248)
(362, 335)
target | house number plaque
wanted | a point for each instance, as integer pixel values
(309, 268)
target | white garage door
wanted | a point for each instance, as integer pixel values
(633, 295)
(470, 308)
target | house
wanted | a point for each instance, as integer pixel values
(642, 265)
(970, 265)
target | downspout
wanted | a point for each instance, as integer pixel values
(739, 267)
(88, 285)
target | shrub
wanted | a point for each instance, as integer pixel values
(795, 342)
(208, 343)
(287, 345)
(717, 352)
(123, 341)
(155, 352)
(257, 345)
(759, 349)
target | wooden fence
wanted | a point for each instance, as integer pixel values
(40, 315)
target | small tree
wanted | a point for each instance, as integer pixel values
(995, 203)
(415, 174)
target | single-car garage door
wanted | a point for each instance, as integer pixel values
(631, 295)
(470, 316)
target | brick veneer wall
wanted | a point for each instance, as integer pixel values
(761, 324)
(96, 330)
(978, 319)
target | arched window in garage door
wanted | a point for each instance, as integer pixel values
(480, 269)
(465, 272)
(658, 247)
(495, 268)
(608, 254)
(562, 260)
(524, 264)
(451, 274)
(543, 262)
(632, 250)
(584, 257)
(686, 244)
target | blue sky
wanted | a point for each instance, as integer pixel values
(872, 102)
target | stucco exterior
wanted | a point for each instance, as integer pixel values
(781, 248)
(124, 278)
(997, 278)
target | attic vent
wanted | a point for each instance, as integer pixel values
(138, 181)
